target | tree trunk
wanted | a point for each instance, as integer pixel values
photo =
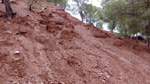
(148, 27)
(2, 1)
(148, 33)
(148, 4)
(81, 15)
(80, 11)
(9, 11)
(30, 6)
(148, 43)
(113, 25)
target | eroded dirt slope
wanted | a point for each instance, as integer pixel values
(52, 47)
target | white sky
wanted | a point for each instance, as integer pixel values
(96, 2)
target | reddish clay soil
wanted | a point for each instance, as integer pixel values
(52, 47)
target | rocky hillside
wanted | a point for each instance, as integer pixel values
(52, 47)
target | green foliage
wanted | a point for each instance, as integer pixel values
(131, 16)
(40, 5)
(56, 1)
(62, 3)
(28, 2)
(99, 24)
(35, 4)
(89, 12)
(146, 14)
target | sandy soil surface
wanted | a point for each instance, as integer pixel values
(52, 47)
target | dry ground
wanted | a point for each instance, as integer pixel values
(52, 47)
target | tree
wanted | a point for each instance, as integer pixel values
(8, 8)
(148, 26)
(89, 13)
(79, 3)
(2, 1)
(30, 6)
(109, 15)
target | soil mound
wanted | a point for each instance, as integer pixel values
(52, 47)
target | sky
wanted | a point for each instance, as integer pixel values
(95, 2)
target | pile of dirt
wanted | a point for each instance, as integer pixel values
(52, 47)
